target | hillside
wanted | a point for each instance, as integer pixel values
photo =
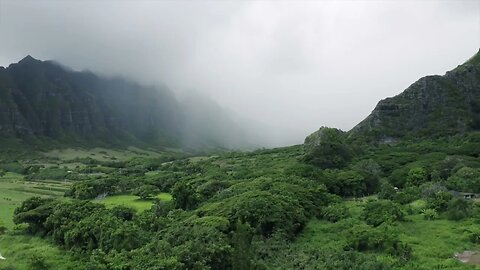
(433, 106)
(329, 204)
(43, 102)
(43, 99)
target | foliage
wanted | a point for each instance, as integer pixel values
(429, 214)
(465, 179)
(458, 209)
(335, 212)
(439, 201)
(416, 176)
(327, 149)
(146, 191)
(377, 212)
(383, 238)
(254, 210)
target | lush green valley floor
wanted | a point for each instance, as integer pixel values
(132, 201)
(26, 252)
(266, 209)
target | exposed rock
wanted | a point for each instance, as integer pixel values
(323, 134)
(432, 106)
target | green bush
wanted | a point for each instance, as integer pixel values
(416, 176)
(429, 214)
(384, 238)
(335, 212)
(465, 179)
(458, 209)
(377, 212)
(38, 262)
(439, 201)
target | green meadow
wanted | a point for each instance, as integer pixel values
(133, 201)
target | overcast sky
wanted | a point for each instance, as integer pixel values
(295, 65)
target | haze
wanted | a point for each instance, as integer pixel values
(288, 67)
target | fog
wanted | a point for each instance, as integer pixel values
(280, 68)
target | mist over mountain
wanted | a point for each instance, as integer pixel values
(290, 65)
(43, 99)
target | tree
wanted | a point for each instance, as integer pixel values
(123, 212)
(381, 211)
(371, 171)
(146, 191)
(458, 209)
(416, 176)
(439, 201)
(184, 196)
(465, 179)
(35, 211)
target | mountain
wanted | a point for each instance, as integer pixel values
(45, 100)
(41, 99)
(433, 106)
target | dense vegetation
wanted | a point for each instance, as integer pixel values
(255, 210)
(373, 198)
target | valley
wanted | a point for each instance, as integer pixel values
(304, 224)
(102, 172)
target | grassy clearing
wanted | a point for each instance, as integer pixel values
(100, 154)
(13, 191)
(132, 201)
(434, 242)
(19, 249)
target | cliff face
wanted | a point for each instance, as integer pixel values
(43, 99)
(431, 107)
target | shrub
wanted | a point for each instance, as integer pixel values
(335, 212)
(407, 195)
(439, 201)
(387, 191)
(458, 209)
(38, 262)
(429, 214)
(466, 179)
(146, 191)
(381, 211)
(384, 238)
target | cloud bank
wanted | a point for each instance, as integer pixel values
(285, 67)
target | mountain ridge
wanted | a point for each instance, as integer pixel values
(432, 106)
(44, 100)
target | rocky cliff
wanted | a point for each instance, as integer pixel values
(432, 106)
(42, 99)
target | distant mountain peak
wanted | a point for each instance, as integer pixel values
(28, 60)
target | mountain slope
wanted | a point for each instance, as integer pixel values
(432, 106)
(41, 99)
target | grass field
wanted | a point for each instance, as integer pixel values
(101, 154)
(434, 242)
(132, 201)
(14, 190)
(19, 251)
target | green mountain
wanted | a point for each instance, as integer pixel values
(41, 99)
(45, 101)
(433, 106)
